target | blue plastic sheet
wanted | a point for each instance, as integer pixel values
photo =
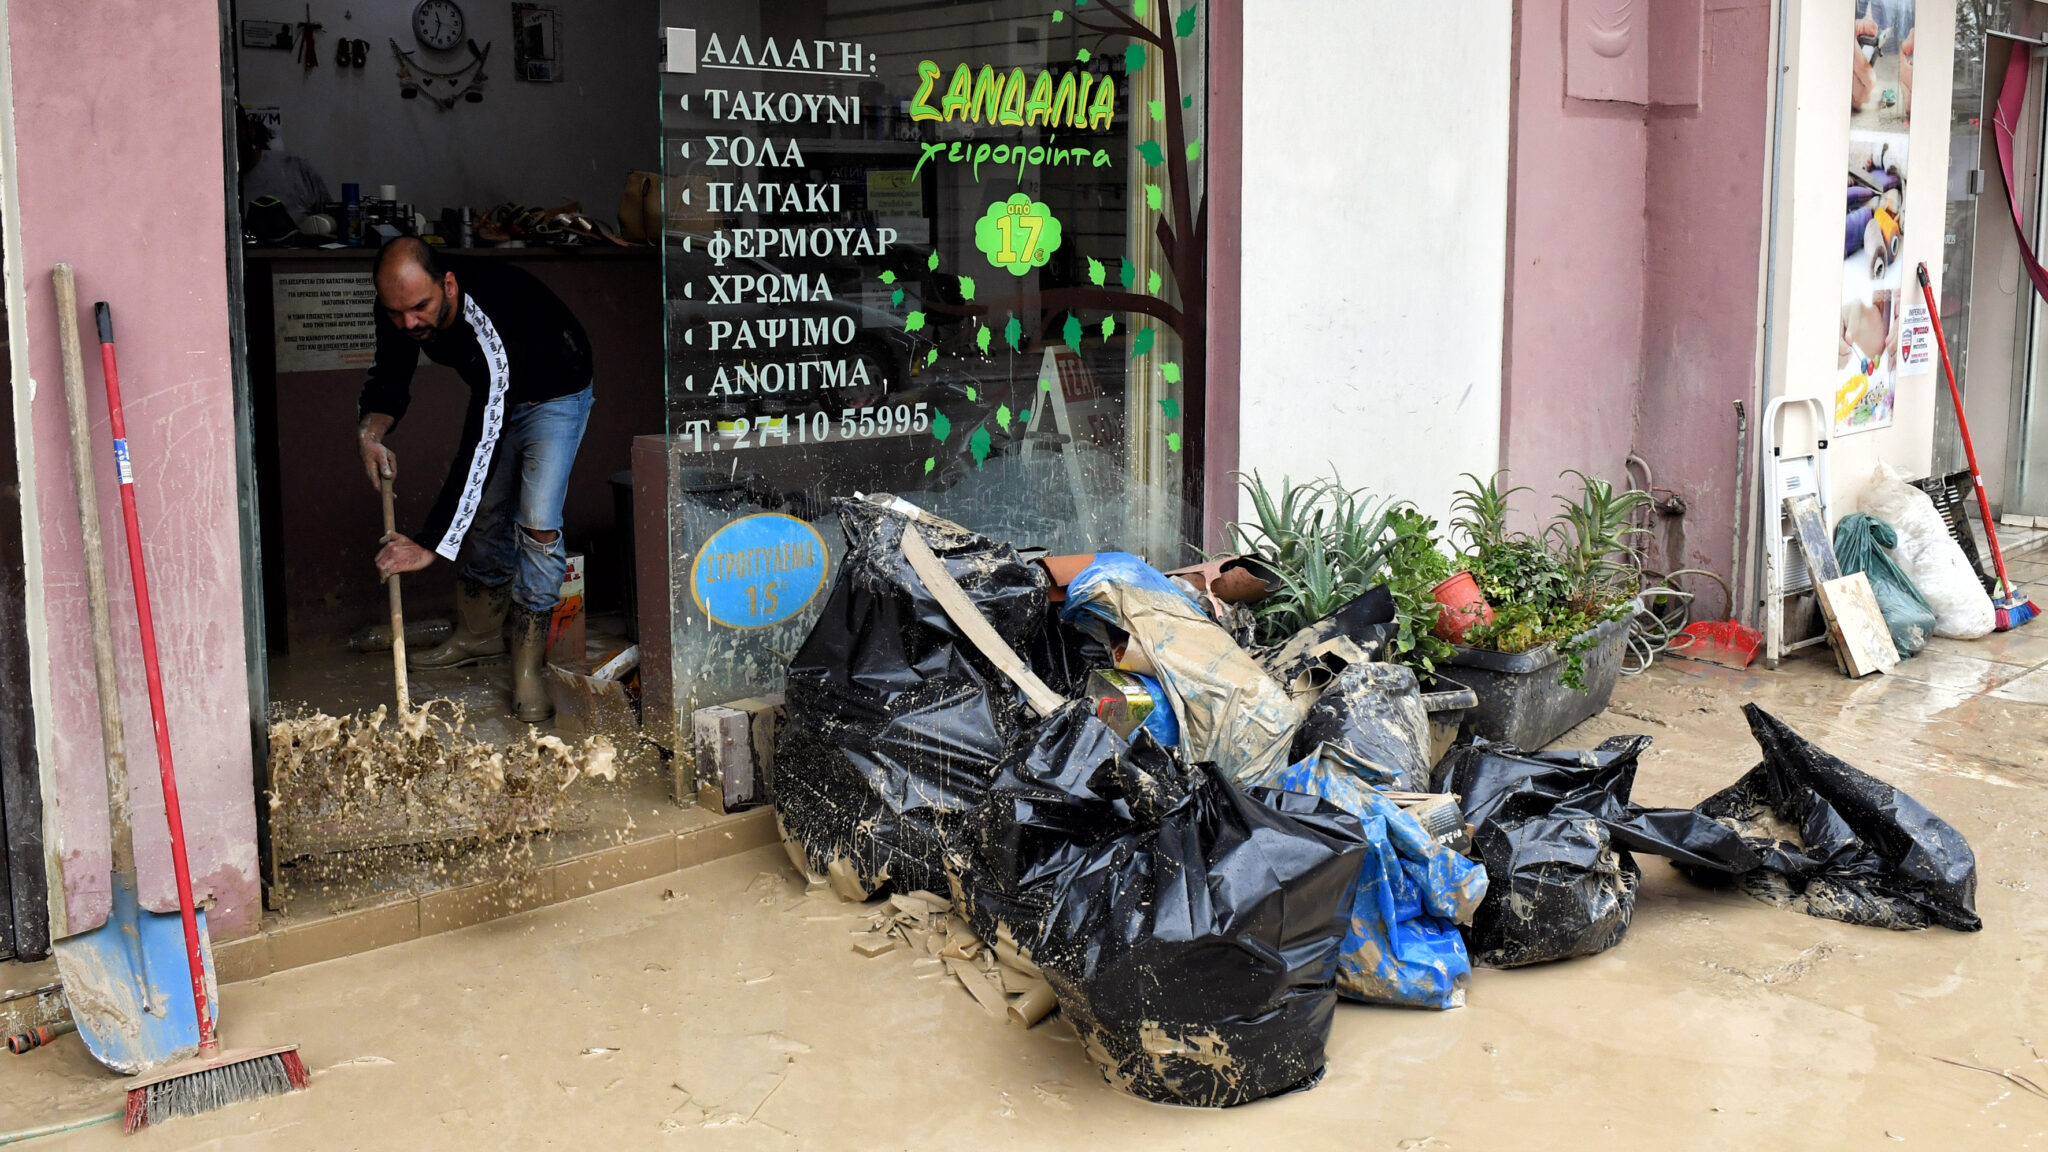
(1403, 946)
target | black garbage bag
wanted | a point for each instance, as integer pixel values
(1353, 634)
(1370, 720)
(1556, 830)
(1190, 929)
(895, 721)
(1839, 843)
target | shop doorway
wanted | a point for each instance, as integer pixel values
(509, 137)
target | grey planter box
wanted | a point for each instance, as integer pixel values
(1523, 700)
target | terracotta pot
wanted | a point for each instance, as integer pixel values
(1463, 607)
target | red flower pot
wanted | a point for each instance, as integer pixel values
(1462, 607)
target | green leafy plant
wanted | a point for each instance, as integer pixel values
(1329, 545)
(1556, 587)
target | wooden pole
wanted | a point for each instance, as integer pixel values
(397, 614)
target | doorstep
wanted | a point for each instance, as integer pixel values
(284, 946)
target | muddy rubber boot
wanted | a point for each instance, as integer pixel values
(479, 629)
(529, 652)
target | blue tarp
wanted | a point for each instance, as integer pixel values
(1403, 946)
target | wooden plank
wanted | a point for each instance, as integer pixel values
(1810, 528)
(1856, 625)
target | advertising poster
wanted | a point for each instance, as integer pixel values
(1874, 285)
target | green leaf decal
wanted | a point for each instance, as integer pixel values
(1072, 332)
(1134, 58)
(1013, 334)
(1058, 15)
(941, 427)
(1127, 273)
(913, 322)
(1157, 108)
(1141, 344)
(1084, 55)
(1096, 272)
(1185, 26)
(967, 287)
(1152, 197)
(972, 394)
(1171, 371)
(932, 262)
(1045, 383)
(1108, 327)
(1137, 9)
(896, 298)
(888, 277)
(1003, 417)
(978, 445)
(1173, 441)
(1024, 417)
(928, 462)
(1169, 407)
(931, 358)
(1153, 282)
(1194, 151)
(1187, 101)
(1151, 152)
(981, 339)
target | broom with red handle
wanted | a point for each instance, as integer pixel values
(214, 1078)
(2013, 611)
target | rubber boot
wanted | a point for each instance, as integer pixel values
(479, 629)
(529, 652)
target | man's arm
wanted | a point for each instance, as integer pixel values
(387, 393)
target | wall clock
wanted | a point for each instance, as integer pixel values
(437, 24)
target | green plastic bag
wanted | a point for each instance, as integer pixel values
(1862, 544)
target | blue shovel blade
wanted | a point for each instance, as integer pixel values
(130, 985)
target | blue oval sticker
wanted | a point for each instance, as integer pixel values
(759, 571)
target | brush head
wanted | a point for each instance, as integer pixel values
(205, 1083)
(2013, 611)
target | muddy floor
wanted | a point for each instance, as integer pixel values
(725, 1007)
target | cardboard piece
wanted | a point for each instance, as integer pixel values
(962, 612)
(1856, 626)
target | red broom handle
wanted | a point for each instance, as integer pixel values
(157, 714)
(1955, 395)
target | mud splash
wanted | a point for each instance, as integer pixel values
(368, 781)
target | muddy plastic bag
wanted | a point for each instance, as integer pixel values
(1357, 633)
(1403, 945)
(895, 721)
(1371, 721)
(1861, 544)
(1232, 713)
(1555, 831)
(1930, 557)
(1190, 930)
(1839, 843)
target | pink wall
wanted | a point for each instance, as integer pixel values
(118, 149)
(1705, 197)
(1575, 271)
(1635, 234)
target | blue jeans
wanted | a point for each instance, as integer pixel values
(526, 489)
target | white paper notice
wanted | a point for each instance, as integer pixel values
(1916, 341)
(325, 321)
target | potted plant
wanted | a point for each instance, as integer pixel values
(1561, 603)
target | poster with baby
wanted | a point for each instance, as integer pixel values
(1873, 273)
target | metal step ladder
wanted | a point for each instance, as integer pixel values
(1787, 478)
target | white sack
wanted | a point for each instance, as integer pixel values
(1930, 556)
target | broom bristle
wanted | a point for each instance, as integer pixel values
(214, 1088)
(2013, 612)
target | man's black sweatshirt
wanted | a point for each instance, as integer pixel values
(513, 342)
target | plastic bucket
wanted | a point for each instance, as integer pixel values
(1462, 607)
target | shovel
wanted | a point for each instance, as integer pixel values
(128, 981)
(397, 615)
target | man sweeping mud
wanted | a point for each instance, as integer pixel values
(527, 363)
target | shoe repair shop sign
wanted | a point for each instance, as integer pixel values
(759, 571)
(325, 321)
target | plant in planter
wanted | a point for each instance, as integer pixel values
(1329, 544)
(1558, 597)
